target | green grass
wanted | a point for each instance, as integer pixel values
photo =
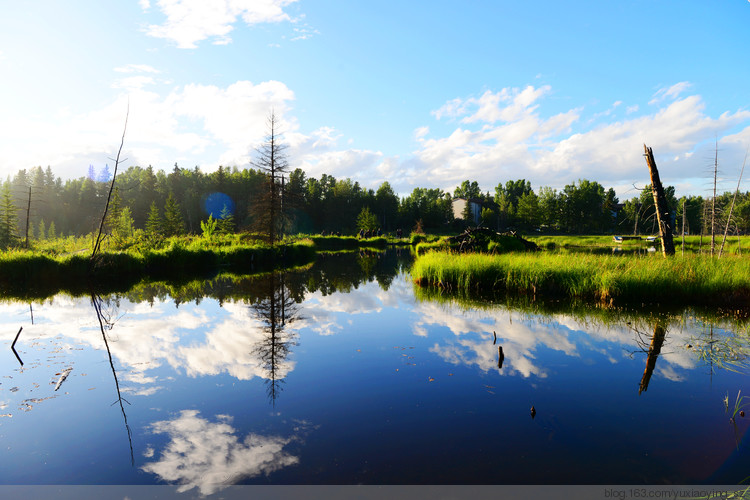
(693, 244)
(28, 274)
(606, 279)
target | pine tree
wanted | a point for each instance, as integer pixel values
(226, 221)
(42, 231)
(173, 222)
(268, 211)
(154, 224)
(8, 218)
(51, 231)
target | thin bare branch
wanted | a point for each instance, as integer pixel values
(98, 243)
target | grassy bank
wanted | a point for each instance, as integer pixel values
(62, 265)
(29, 274)
(693, 244)
(687, 280)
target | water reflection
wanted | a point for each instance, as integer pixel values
(276, 312)
(654, 349)
(381, 368)
(210, 456)
(477, 327)
(107, 319)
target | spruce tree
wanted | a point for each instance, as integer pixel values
(226, 221)
(8, 218)
(173, 222)
(268, 212)
(154, 224)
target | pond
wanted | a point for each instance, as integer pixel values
(345, 373)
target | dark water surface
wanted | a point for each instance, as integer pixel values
(341, 374)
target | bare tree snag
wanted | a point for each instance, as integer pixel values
(660, 203)
(98, 242)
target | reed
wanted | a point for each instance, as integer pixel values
(689, 280)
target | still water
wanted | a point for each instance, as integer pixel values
(343, 373)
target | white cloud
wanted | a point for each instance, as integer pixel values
(672, 92)
(507, 105)
(505, 135)
(182, 125)
(421, 132)
(304, 33)
(191, 21)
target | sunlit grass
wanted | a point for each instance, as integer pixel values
(36, 274)
(603, 278)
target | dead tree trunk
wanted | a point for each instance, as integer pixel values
(660, 203)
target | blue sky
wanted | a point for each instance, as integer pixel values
(421, 94)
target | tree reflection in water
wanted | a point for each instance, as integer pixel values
(107, 321)
(654, 349)
(276, 311)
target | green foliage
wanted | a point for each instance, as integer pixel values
(225, 222)
(154, 227)
(488, 217)
(209, 228)
(527, 211)
(366, 220)
(468, 190)
(8, 219)
(174, 225)
(689, 280)
(122, 228)
(431, 206)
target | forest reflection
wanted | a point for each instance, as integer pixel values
(339, 272)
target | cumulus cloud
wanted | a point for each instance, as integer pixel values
(222, 125)
(506, 135)
(191, 21)
(210, 456)
(507, 105)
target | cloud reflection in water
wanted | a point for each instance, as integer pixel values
(210, 456)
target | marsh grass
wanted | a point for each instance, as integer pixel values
(28, 274)
(686, 280)
(693, 243)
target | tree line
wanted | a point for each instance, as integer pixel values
(36, 204)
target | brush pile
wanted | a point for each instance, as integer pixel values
(482, 239)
